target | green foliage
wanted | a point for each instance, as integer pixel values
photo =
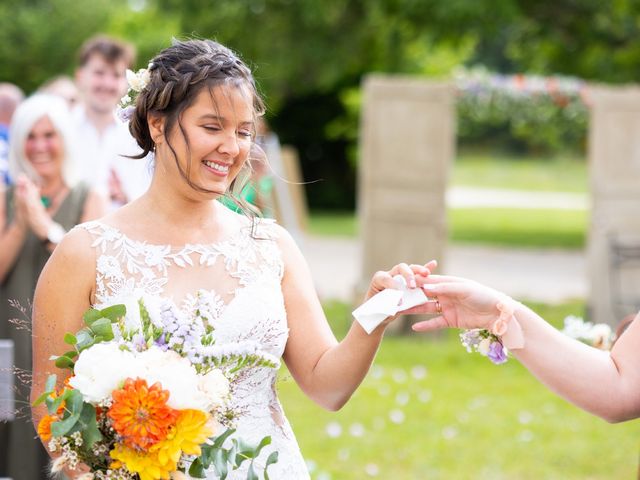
(39, 38)
(220, 458)
(98, 329)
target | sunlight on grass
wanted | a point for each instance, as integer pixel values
(519, 228)
(528, 173)
(430, 410)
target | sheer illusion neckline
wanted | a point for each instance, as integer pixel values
(115, 233)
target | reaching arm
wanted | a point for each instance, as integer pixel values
(329, 371)
(605, 384)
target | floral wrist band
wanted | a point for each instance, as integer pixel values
(505, 334)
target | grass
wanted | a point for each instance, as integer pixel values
(539, 228)
(456, 416)
(522, 228)
(478, 170)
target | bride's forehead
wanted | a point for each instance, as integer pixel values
(225, 97)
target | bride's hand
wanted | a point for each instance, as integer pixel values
(459, 303)
(414, 275)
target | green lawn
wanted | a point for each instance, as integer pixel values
(540, 228)
(430, 410)
(529, 173)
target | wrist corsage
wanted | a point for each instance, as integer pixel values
(505, 334)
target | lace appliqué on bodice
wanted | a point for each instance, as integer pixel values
(233, 285)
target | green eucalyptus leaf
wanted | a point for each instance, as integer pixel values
(102, 328)
(251, 473)
(91, 316)
(88, 427)
(64, 362)
(114, 312)
(220, 439)
(271, 459)
(85, 339)
(70, 339)
(196, 469)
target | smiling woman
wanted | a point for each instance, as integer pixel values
(34, 216)
(180, 248)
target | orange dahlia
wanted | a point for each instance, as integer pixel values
(44, 427)
(140, 413)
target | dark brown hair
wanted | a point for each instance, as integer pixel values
(177, 75)
(111, 49)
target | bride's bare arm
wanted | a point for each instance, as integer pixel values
(63, 294)
(328, 371)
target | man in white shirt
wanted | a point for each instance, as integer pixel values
(102, 138)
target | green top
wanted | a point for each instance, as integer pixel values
(25, 456)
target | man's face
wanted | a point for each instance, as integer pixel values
(101, 83)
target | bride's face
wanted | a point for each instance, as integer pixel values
(212, 138)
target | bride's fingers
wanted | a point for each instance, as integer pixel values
(431, 265)
(436, 323)
(404, 270)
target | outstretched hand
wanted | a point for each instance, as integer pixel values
(458, 302)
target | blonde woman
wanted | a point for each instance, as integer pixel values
(35, 213)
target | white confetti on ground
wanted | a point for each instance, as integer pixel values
(424, 396)
(402, 398)
(525, 417)
(397, 416)
(419, 372)
(356, 430)
(449, 433)
(525, 436)
(399, 376)
(333, 429)
(372, 470)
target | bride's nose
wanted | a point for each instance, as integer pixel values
(229, 144)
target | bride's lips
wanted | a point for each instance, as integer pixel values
(220, 169)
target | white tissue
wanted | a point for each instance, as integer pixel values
(387, 303)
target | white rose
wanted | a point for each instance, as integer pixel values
(145, 77)
(215, 387)
(176, 374)
(100, 369)
(483, 346)
(133, 81)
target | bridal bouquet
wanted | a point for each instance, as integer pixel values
(148, 397)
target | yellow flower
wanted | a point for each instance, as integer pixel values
(145, 464)
(192, 428)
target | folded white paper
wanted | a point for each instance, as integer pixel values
(387, 303)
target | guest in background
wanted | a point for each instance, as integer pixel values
(101, 79)
(62, 86)
(35, 213)
(10, 97)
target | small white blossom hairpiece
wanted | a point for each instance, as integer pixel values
(137, 82)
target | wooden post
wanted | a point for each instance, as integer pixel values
(407, 144)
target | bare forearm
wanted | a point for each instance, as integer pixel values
(342, 368)
(587, 377)
(11, 243)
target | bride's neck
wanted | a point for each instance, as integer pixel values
(181, 212)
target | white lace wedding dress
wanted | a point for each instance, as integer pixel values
(236, 285)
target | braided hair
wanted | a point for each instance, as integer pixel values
(177, 75)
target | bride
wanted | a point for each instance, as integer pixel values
(197, 113)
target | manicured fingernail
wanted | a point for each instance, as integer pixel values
(429, 287)
(412, 283)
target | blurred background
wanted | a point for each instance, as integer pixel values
(517, 197)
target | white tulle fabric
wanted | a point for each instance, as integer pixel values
(236, 284)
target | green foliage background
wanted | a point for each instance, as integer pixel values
(310, 56)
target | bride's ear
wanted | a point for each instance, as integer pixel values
(156, 128)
